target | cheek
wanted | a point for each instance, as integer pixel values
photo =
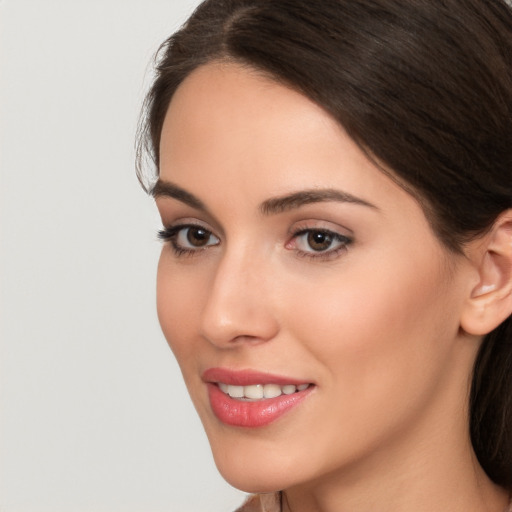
(378, 331)
(176, 292)
(382, 351)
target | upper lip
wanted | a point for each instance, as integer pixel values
(247, 377)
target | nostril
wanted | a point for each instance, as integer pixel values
(238, 325)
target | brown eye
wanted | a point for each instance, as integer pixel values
(319, 240)
(320, 243)
(198, 237)
(192, 238)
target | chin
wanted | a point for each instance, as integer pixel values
(256, 467)
(252, 485)
(253, 480)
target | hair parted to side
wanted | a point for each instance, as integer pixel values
(424, 88)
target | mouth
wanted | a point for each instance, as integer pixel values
(256, 392)
(252, 399)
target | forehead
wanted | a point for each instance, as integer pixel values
(222, 100)
(228, 119)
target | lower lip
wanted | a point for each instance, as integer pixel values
(242, 413)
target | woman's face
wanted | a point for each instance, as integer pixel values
(294, 269)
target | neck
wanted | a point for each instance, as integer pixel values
(423, 483)
(423, 486)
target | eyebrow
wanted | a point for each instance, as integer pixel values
(270, 206)
(168, 189)
(304, 197)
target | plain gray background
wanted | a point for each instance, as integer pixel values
(93, 413)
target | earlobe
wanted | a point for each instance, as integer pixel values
(490, 301)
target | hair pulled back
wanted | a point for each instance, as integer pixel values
(424, 88)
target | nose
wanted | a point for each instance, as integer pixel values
(239, 307)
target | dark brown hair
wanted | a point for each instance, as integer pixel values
(423, 86)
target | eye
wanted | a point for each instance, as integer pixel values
(316, 241)
(195, 237)
(188, 238)
(319, 243)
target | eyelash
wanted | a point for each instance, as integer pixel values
(329, 254)
(169, 235)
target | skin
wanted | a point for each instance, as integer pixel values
(374, 325)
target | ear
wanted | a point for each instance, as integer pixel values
(490, 301)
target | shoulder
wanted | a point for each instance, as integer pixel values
(262, 503)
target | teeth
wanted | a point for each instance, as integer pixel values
(236, 391)
(289, 389)
(271, 390)
(255, 392)
(259, 391)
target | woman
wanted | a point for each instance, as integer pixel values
(335, 186)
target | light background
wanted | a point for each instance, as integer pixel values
(93, 413)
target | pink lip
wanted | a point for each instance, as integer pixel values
(240, 413)
(247, 377)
